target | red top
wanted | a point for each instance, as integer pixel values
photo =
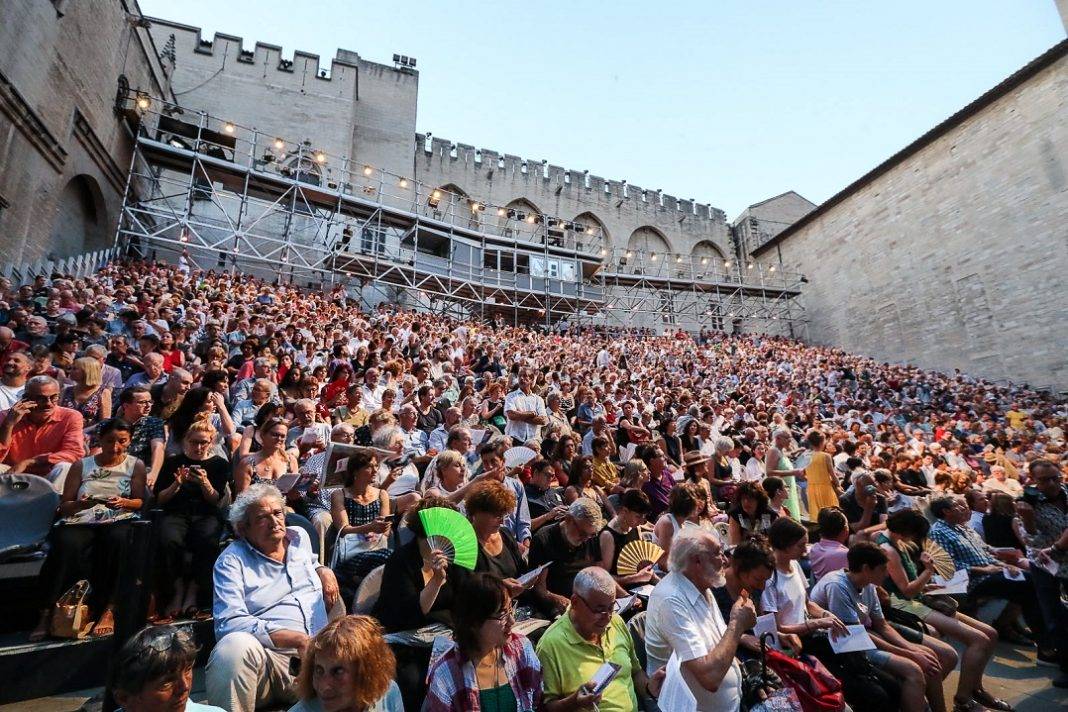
(60, 437)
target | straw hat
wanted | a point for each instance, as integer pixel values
(694, 457)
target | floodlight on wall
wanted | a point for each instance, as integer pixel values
(726, 264)
(772, 268)
(320, 157)
(367, 170)
(403, 183)
(603, 252)
(531, 218)
(653, 257)
(143, 102)
(678, 258)
(501, 212)
(630, 253)
(279, 144)
(228, 127)
(477, 207)
(749, 266)
(434, 199)
(704, 260)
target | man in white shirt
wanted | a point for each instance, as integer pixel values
(525, 411)
(683, 619)
(13, 379)
(999, 482)
(371, 391)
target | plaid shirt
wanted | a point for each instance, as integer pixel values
(962, 543)
(452, 687)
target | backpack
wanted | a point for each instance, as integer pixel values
(815, 686)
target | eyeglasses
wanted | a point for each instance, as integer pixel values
(596, 611)
(165, 639)
(54, 398)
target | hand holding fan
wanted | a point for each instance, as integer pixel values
(636, 554)
(940, 559)
(449, 532)
(518, 456)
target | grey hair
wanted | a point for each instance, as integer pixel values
(255, 493)
(96, 351)
(305, 401)
(781, 431)
(724, 444)
(341, 428)
(688, 542)
(594, 578)
(587, 510)
(384, 436)
(42, 381)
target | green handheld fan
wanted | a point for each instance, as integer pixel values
(449, 532)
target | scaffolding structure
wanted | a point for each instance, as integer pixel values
(239, 199)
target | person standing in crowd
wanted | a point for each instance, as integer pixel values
(524, 410)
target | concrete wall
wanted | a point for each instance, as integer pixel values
(63, 151)
(957, 256)
(760, 222)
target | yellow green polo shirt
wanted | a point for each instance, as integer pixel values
(568, 661)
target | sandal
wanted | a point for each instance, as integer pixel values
(105, 625)
(967, 706)
(990, 702)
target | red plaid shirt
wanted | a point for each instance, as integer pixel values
(452, 687)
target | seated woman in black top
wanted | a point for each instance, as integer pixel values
(190, 489)
(418, 583)
(622, 529)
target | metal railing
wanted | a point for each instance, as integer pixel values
(77, 266)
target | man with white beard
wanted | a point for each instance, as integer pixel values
(683, 619)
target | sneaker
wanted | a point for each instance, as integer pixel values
(1049, 658)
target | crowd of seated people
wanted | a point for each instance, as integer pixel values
(210, 402)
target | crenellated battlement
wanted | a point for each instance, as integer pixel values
(303, 70)
(581, 185)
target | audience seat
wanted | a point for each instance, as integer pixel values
(367, 594)
(27, 508)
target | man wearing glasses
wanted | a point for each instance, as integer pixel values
(39, 437)
(578, 643)
(1044, 511)
(567, 546)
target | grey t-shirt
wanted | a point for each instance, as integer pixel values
(836, 593)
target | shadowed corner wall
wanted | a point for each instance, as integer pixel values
(954, 253)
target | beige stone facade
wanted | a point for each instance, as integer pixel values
(64, 152)
(954, 254)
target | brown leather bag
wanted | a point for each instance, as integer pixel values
(70, 619)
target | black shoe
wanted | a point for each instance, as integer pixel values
(1049, 657)
(1062, 681)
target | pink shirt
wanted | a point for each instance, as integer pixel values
(827, 555)
(60, 437)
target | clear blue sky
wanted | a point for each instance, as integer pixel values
(725, 102)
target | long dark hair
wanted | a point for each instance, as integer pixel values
(187, 411)
(483, 597)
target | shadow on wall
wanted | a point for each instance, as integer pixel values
(81, 222)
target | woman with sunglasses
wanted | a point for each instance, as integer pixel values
(190, 490)
(100, 495)
(488, 666)
(154, 671)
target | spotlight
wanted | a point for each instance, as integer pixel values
(367, 170)
(630, 253)
(531, 218)
(229, 127)
(678, 258)
(749, 266)
(500, 212)
(320, 157)
(477, 207)
(403, 183)
(704, 260)
(279, 144)
(772, 268)
(581, 228)
(727, 264)
(143, 102)
(434, 199)
(603, 252)
(653, 257)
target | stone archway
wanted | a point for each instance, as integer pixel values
(81, 222)
(595, 238)
(706, 253)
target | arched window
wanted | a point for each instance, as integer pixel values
(593, 238)
(80, 222)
